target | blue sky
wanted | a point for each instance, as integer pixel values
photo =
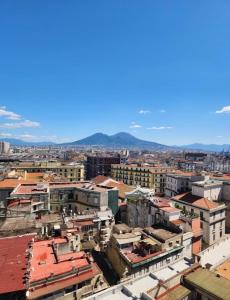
(157, 69)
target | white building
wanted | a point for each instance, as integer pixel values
(179, 183)
(4, 147)
(200, 202)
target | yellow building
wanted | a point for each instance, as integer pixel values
(71, 172)
(144, 176)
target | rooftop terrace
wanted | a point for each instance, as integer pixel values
(210, 283)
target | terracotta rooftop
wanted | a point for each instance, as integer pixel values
(160, 202)
(197, 201)
(170, 209)
(136, 258)
(99, 179)
(60, 272)
(30, 189)
(13, 262)
(43, 262)
(61, 284)
(177, 222)
(12, 183)
(104, 181)
(224, 270)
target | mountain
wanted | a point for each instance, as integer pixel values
(207, 147)
(121, 139)
(17, 142)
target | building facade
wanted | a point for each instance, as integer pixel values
(144, 176)
(71, 172)
(100, 165)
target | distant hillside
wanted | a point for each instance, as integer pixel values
(208, 147)
(17, 142)
(121, 139)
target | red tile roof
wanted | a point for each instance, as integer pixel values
(13, 262)
(61, 284)
(43, 252)
(136, 258)
(24, 189)
(170, 209)
(99, 179)
(177, 222)
(197, 201)
(12, 183)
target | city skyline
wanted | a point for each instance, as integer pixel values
(157, 71)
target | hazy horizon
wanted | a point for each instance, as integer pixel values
(158, 70)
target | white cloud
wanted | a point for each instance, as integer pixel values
(144, 112)
(225, 109)
(162, 110)
(220, 136)
(159, 128)
(26, 136)
(9, 114)
(6, 135)
(25, 123)
(135, 125)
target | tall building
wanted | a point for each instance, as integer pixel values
(177, 183)
(144, 176)
(204, 202)
(71, 172)
(100, 165)
(4, 147)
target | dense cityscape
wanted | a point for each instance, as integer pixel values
(95, 223)
(114, 150)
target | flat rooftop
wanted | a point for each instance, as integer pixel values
(13, 262)
(216, 254)
(208, 281)
(24, 189)
(136, 258)
(80, 185)
(207, 183)
(178, 292)
(160, 234)
(12, 183)
(224, 270)
(141, 285)
(43, 262)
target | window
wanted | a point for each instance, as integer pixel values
(70, 289)
(221, 233)
(201, 215)
(213, 236)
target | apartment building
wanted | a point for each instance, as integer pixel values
(4, 147)
(29, 199)
(94, 227)
(134, 252)
(179, 182)
(69, 172)
(100, 165)
(77, 197)
(145, 210)
(144, 176)
(212, 213)
(71, 197)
